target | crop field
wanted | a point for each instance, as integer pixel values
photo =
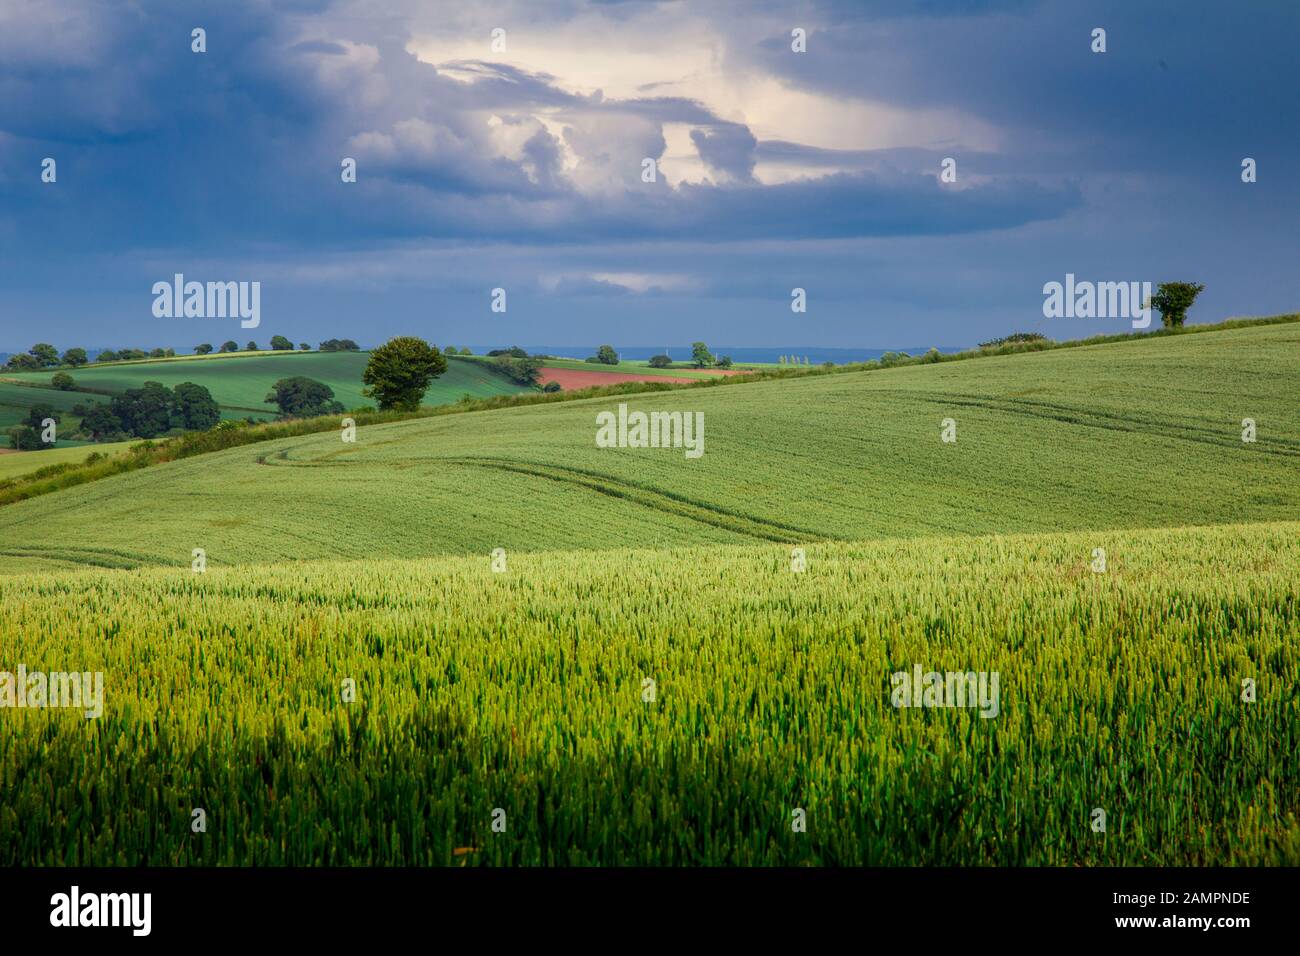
(16, 402)
(1129, 435)
(672, 658)
(679, 370)
(21, 463)
(525, 690)
(239, 384)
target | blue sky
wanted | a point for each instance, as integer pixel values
(521, 168)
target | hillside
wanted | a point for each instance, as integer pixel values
(1133, 434)
(239, 383)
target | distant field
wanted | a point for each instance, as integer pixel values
(1126, 435)
(240, 383)
(17, 401)
(21, 463)
(573, 379)
(641, 368)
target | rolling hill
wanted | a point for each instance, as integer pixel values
(673, 657)
(1134, 434)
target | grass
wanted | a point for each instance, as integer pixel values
(24, 463)
(1133, 434)
(524, 690)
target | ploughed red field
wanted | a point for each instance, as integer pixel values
(572, 378)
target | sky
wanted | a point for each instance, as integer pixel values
(502, 145)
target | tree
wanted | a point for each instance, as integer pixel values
(281, 344)
(450, 350)
(251, 347)
(158, 353)
(400, 370)
(36, 417)
(145, 412)
(700, 355)
(522, 370)
(108, 355)
(301, 397)
(466, 350)
(75, 357)
(724, 362)
(606, 355)
(230, 345)
(1173, 299)
(62, 381)
(45, 354)
(339, 345)
(203, 349)
(23, 361)
(304, 347)
(193, 407)
(102, 425)
(26, 438)
(660, 361)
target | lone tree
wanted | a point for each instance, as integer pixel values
(26, 438)
(75, 357)
(45, 353)
(203, 349)
(62, 381)
(1173, 299)
(302, 397)
(400, 370)
(660, 361)
(281, 344)
(700, 355)
(606, 355)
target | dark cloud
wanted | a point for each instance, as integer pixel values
(1125, 162)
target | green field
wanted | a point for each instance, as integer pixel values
(21, 463)
(16, 402)
(240, 383)
(524, 689)
(1136, 434)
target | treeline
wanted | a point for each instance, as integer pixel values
(146, 412)
(42, 355)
